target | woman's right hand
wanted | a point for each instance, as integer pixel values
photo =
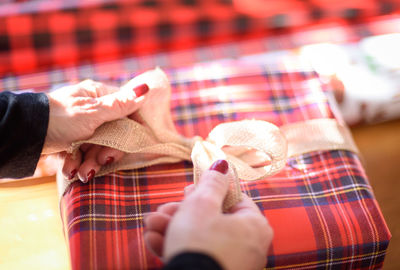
(239, 239)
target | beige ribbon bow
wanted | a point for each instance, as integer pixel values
(254, 149)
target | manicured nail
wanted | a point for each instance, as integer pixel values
(72, 174)
(109, 160)
(220, 166)
(141, 90)
(90, 175)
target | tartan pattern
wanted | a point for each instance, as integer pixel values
(260, 49)
(321, 205)
(37, 35)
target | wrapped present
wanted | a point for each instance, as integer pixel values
(319, 202)
(38, 35)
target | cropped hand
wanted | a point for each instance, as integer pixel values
(238, 239)
(75, 113)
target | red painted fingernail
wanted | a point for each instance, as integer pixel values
(220, 166)
(90, 175)
(141, 90)
(109, 160)
(72, 174)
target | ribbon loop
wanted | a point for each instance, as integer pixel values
(257, 141)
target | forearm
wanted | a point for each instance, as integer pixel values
(23, 126)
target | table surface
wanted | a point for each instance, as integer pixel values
(380, 149)
(31, 235)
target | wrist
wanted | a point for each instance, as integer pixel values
(192, 260)
(53, 143)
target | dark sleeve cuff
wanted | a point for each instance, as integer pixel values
(192, 261)
(23, 127)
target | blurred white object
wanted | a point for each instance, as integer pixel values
(369, 72)
(325, 58)
(383, 50)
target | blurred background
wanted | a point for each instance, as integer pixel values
(352, 44)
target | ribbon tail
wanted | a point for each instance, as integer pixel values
(204, 154)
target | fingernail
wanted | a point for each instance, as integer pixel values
(72, 174)
(109, 160)
(90, 175)
(220, 166)
(141, 90)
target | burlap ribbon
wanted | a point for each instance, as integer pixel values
(254, 149)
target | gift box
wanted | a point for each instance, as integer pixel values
(320, 204)
(37, 35)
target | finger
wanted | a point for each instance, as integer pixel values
(106, 89)
(211, 189)
(60, 157)
(97, 89)
(157, 222)
(89, 166)
(154, 242)
(108, 155)
(85, 147)
(246, 205)
(120, 104)
(169, 208)
(71, 165)
(189, 190)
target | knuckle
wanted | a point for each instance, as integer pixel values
(246, 222)
(255, 219)
(91, 85)
(98, 85)
(86, 82)
(255, 222)
(161, 207)
(217, 183)
(203, 198)
(117, 106)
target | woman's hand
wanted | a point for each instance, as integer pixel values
(237, 240)
(75, 113)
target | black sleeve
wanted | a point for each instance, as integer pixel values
(23, 127)
(192, 261)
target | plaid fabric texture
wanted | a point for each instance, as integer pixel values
(37, 35)
(321, 205)
(270, 47)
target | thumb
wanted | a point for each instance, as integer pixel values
(121, 103)
(211, 189)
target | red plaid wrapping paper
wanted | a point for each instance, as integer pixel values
(270, 47)
(37, 35)
(321, 205)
